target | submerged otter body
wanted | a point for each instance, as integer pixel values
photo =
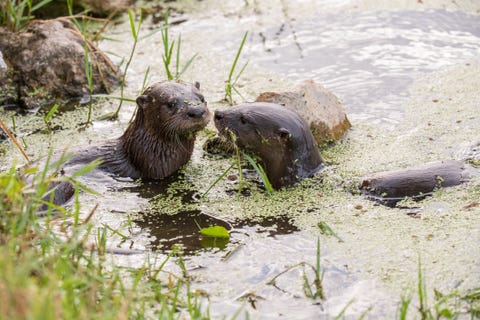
(278, 136)
(160, 139)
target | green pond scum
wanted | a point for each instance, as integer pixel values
(422, 257)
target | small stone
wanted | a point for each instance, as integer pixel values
(319, 107)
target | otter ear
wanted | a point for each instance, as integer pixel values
(143, 101)
(283, 133)
(197, 85)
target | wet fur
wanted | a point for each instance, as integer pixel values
(276, 135)
(160, 139)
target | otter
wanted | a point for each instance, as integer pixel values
(279, 137)
(160, 138)
(157, 143)
(286, 148)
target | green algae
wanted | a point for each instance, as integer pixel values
(384, 243)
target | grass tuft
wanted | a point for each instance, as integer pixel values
(169, 50)
(232, 80)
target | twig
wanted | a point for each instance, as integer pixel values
(15, 141)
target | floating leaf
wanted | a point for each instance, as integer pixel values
(215, 232)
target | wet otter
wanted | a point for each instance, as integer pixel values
(155, 145)
(161, 137)
(278, 136)
(283, 142)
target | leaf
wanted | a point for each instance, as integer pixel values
(50, 113)
(215, 232)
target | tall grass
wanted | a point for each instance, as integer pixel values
(169, 50)
(135, 30)
(232, 79)
(16, 14)
(89, 76)
(56, 267)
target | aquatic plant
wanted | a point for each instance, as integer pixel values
(312, 289)
(446, 306)
(231, 80)
(16, 14)
(327, 230)
(238, 163)
(135, 30)
(168, 53)
(49, 117)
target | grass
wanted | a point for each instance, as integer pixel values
(57, 266)
(238, 163)
(169, 49)
(453, 305)
(312, 289)
(89, 76)
(135, 30)
(16, 14)
(232, 79)
(48, 117)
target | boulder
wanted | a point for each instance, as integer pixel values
(99, 8)
(319, 107)
(47, 61)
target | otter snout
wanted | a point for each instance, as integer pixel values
(196, 113)
(219, 115)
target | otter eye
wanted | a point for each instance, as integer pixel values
(172, 105)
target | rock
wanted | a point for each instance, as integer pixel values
(319, 107)
(100, 8)
(104, 8)
(47, 62)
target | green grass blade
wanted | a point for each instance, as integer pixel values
(185, 67)
(87, 168)
(145, 79)
(39, 5)
(218, 179)
(50, 113)
(237, 56)
(240, 73)
(132, 24)
(177, 61)
(261, 172)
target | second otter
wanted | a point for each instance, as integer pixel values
(278, 136)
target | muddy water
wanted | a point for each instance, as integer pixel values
(409, 81)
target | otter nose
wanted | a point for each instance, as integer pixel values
(196, 113)
(219, 115)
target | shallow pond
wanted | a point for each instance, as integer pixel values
(409, 83)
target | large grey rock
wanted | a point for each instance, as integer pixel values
(319, 107)
(47, 62)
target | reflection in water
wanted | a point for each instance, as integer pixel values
(369, 60)
(182, 229)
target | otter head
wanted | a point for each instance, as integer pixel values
(278, 136)
(172, 109)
